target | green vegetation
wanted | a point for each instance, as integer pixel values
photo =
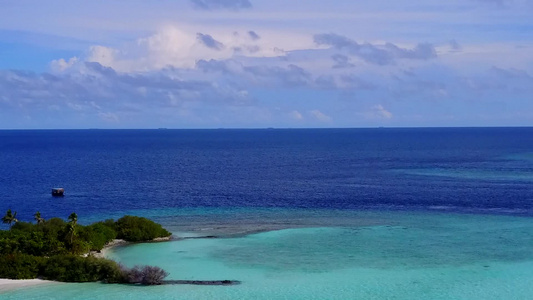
(137, 229)
(72, 268)
(68, 268)
(20, 266)
(52, 249)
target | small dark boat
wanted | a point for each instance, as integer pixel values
(58, 192)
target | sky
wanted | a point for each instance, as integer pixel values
(265, 63)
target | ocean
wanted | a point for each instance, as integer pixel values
(383, 213)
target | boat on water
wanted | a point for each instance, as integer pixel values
(58, 192)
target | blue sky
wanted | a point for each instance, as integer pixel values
(258, 63)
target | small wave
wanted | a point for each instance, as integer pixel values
(480, 210)
(442, 207)
(470, 174)
(527, 156)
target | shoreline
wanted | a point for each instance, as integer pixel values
(14, 284)
(119, 243)
(111, 244)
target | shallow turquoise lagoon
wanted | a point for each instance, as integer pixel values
(332, 255)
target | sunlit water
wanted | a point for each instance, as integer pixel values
(356, 255)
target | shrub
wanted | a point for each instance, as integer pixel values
(69, 268)
(97, 235)
(153, 275)
(53, 225)
(35, 244)
(147, 275)
(9, 245)
(134, 275)
(22, 226)
(136, 229)
(112, 272)
(19, 266)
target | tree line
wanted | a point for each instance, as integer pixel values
(51, 249)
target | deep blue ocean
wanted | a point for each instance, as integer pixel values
(106, 172)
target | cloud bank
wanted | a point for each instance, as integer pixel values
(216, 63)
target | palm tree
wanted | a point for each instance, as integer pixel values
(37, 217)
(71, 227)
(73, 218)
(10, 218)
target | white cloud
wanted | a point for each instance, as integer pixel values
(296, 115)
(320, 116)
(380, 112)
(109, 117)
(61, 64)
(103, 55)
(169, 46)
(181, 46)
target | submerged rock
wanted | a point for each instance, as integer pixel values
(203, 282)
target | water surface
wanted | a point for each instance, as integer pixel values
(401, 256)
(439, 213)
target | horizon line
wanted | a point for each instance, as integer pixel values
(268, 128)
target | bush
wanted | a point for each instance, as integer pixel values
(22, 226)
(153, 275)
(112, 272)
(20, 266)
(97, 235)
(134, 275)
(53, 226)
(9, 244)
(136, 229)
(69, 268)
(147, 275)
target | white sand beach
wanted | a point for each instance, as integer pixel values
(11, 284)
(101, 253)
(120, 242)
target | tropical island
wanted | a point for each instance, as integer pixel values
(60, 250)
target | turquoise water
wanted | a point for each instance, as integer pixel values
(330, 255)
